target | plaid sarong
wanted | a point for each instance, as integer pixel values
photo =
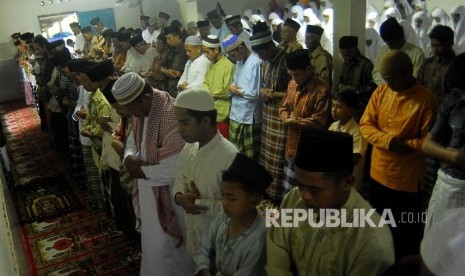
(246, 138)
(94, 184)
(272, 149)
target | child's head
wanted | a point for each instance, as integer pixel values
(243, 186)
(345, 103)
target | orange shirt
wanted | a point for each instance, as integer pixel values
(407, 115)
(310, 106)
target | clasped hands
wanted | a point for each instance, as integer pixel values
(187, 200)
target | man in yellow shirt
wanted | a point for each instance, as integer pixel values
(325, 183)
(395, 122)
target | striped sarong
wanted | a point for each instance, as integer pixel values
(94, 184)
(246, 138)
(76, 159)
(448, 193)
(272, 149)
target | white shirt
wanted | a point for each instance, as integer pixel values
(204, 166)
(194, 72)
(146, 35)
(82, 103)
(79, 45)
(153, 37)
(109, 157)
(133, 62)
(147, 59)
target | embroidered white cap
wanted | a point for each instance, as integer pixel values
(127, 88)
(195, 99)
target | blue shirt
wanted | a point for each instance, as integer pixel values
(247, 109)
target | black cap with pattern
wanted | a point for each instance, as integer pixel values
(313, 29)
(163, 15)
(292, 24)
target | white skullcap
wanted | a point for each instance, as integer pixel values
(195, 99)
(443, 246)
(128, 87)
(193, 40)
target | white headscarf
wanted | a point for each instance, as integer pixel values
(246, 25)
(393, 12)
(299, 17)
(373, 16)
(409, 33)
(459, 29)
(422, 31)
(272, 16)
(376, 43)
(314, 20)
(277, 21)
(247, 13)
(407, 8)
(421, 5)
(255, 18)
(443, 16)
(387, 4)
(316, 11)
(328, 26)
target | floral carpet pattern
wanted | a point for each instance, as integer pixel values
(61, 237)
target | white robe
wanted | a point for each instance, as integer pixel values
(194, 72)
(159, 254)
(204, 167)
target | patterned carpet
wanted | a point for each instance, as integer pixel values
(75, 242)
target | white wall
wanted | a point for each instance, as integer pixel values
(22, 15)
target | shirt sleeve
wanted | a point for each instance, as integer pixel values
(320, 114)
(206, 246)
(369, 123)
(130, 149)
(278, 261)
(254, 258)
(179, 179)
(183, 77)
(285, 107)
(428, 113)
(440, 129)
(417, 62)
(252, 92)
(201, 70)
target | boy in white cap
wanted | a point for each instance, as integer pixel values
(200, 164)
(152, 162)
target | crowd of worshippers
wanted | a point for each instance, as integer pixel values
(187, 131)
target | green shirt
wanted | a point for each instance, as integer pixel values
(98, 106)
(304, 250)
(217, 80)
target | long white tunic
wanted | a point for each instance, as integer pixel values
(159, 254)
(194, 72)
(204, 167)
